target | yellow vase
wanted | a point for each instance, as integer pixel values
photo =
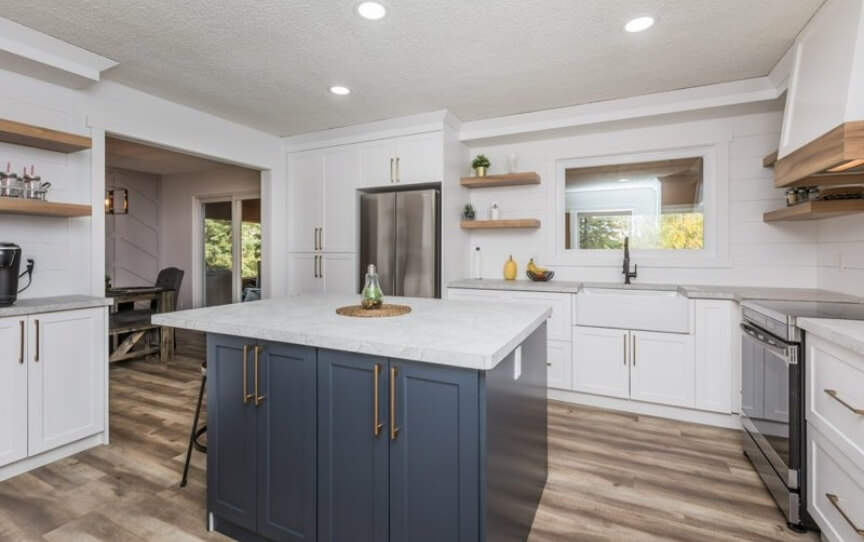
(510, 269)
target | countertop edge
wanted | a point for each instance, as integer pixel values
(37, 305)
(827, 328)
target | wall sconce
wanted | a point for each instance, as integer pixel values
(117, 201)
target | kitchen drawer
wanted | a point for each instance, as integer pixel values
(836, 499)
(559, 361)
(465, 294)
(835, 395)
(558, 326)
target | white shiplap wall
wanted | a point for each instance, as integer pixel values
(841, 254)
(779, 254)
(132, 240)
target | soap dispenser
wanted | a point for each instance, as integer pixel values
(372, 297)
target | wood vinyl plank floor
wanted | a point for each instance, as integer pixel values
(613, 477)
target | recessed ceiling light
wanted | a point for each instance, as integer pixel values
(639, 24)
(341, 91)
(371, 10)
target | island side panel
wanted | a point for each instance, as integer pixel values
(514, 442)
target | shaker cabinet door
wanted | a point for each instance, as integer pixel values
(420, 158)
(353, 447)
(434, 454)
(341, 179)
(13, 389)
(231, 430)
(304, 273)
(377, 163)
(287, 459)
(66, 377)
(601, 361)
(305, 200)
(663, 368)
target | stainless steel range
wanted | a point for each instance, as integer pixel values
(772, 396)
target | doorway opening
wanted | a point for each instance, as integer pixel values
(231, 249)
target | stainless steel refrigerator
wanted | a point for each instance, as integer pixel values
(400, 232)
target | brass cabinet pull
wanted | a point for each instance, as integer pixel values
(391, 170)
(377, 426)
(246, 394)
(836, 502)
(393, 429)
(397, 170)
(36, 357)
(634, 351)
(321, 238)
(833, 394)
(258, 398)
(315, 238)
(320, 267)
(315, 266)
(21, 355)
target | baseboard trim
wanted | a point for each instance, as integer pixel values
(729, 421)
(30, 463)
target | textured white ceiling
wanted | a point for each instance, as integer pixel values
(269, 63)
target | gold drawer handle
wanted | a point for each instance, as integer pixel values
(258, 398)
(246, 394)
(377, 426)
(394, 431)
(835, 500)
(836, 397)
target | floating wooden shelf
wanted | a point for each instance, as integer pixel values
(18, 133)
(770, 160)
(510, 179)
(21, 206)
(835, 157)
(815, 210)
(500, 224)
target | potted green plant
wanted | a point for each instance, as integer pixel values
(480, 165)
(468, 212)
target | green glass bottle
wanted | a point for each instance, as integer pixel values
(372, 297)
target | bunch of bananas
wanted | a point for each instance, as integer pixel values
(537, 273)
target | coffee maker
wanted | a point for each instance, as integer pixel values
(10, 266)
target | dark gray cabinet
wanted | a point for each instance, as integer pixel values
(407, 470)
(261, 432)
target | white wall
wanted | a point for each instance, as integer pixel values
(132, 239)
(779, 254)
(178, 213)
(841, 254)
(71, 253)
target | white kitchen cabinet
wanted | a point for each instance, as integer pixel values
(716, 338)
(306, 199)
(340, 274)
(662, 368)
(341, 178)
(66, 371)
(559, 323)
(559, 364)
(13, 390)
(319, 223)
(402, 161)
(601, 361)
(316, 273)
(835, 487)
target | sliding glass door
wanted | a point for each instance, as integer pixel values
(231, 250)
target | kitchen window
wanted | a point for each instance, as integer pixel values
(665, 202)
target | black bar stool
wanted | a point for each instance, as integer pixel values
(197, 432)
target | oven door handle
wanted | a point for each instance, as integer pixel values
(781, 351)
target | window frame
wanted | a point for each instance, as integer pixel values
(715, 212)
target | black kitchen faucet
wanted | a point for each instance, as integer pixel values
(627, 273)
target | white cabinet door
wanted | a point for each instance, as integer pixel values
(341, 178)
(303, 274)
(13, 390)
(66, 380)
(714, 336)
(662, 368)
(340, 274)
(463, 294)
(420, 159)
(559, 363)
(305, 199)
(600, 361)
(377, 163)
(559, 323)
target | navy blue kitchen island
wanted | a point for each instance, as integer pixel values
(307, 442)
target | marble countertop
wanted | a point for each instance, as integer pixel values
(36, 305)
(733, 293)
(460, 334)
(848, 334)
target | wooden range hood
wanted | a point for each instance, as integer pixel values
(836, 157)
